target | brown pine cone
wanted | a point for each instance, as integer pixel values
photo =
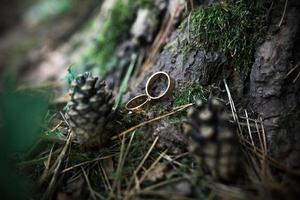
(213, 140)
(89, 110)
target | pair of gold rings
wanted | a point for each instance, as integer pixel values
(158, 86)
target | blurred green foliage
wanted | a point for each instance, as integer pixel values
(21, 115)
(43, 10)
(100, 56)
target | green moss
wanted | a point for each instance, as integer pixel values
(234, 29)
(114, 29)
(189, 94)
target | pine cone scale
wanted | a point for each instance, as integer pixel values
(89, 109)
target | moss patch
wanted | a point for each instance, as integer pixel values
(190, 93)
(234, 28)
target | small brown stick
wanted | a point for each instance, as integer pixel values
(87, 162)
(181, 108)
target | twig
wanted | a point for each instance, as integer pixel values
(181, 108)
(87, 162)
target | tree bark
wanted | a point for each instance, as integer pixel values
(274, 85)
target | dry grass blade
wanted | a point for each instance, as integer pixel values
(259, 137)
(136, 171)
(87, 162)
(152, 166)
(146, 156)
(162, 183)
(249, 129)
(46, 171)
(55, 168)
(295, 79)
(181, 108)
(94, 194)
(293, 69)
(233, 110)
(57, 164)
(123, 154)
(104, 177)
(116, 183)
(259, 162)
(283, 14)
(264, 135)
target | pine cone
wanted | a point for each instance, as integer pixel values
(213, 140)
(89, 110)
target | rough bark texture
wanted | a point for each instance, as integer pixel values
(274, 91)
(199, 66)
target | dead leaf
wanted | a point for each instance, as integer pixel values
(157, 173)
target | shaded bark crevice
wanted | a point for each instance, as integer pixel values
(275, 88)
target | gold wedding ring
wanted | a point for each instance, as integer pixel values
(158, 86)
(165, 89)
(137, 104)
